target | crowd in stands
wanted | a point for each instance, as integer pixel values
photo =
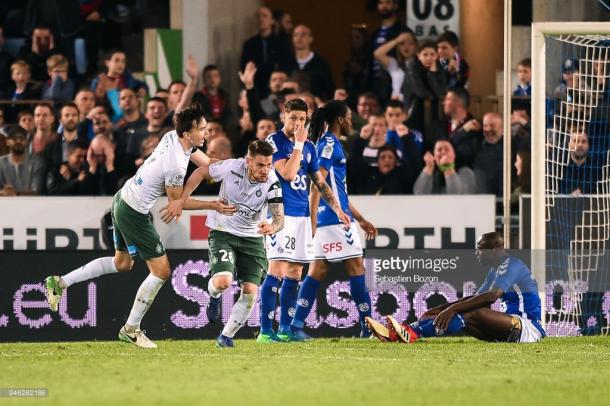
(412, 130)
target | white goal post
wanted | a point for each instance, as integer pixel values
(541, 30)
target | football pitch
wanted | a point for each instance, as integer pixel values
(449, 371)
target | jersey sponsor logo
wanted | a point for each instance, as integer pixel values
(332, 247)
(327, 152)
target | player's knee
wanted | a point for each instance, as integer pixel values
(222, 282)
(123, 264)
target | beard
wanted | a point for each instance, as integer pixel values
(18, 149)
(385, 14)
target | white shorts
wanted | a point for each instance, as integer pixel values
(333, 243)
(529, 332)
(293, 243)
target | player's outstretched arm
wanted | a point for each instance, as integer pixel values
(327, 194)
(369, 229)
(200, 158)
(474, 302)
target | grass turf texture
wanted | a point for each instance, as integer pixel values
(327, 371)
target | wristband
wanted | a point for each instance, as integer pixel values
(299, 145)
(447, 167)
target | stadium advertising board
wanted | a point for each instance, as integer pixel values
(56, 223)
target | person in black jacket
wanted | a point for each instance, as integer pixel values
(488, 165)
(267, 50)
(312, 71)
(390, 177)
(72, 178)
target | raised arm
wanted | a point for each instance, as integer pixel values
(187, 96)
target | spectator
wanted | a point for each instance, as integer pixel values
(282, 23)
(368, 105)
(25, 119)
(20, 172)
(390, 28)
(267, 50)
(23, 88)
(451, 60)
(162, 93)
(36, 54)
(405, 48)
(175, 90)
(3, 135)
(357, 69)
(524, 76)
(72, 177)
(156, 111)
(582, 172)
(130, 109)
(440, 175)
(107, 86)
(523, 172)
(85, 101)
(148, 146)
(6, 60)
(180, 93)
(396, 117)
(56, 152)
(212, 98)
(365, 148)
(489, 163)
(271, 104)
(520, 127)
(101, 157)
(44, 119)
(388, 177)
(219, 148)
(312, 71)
(214, 129)
(59, 88)
(264, 128)
(460, 127)
(424, 79)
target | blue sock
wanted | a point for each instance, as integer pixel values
(307, 296)
(361, 297)
(268, 292)
(288, 302)
(427, 329)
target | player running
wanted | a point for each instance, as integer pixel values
(134, 233)
(295, 162)
(509, 280)
(333, 242)
(237, 247)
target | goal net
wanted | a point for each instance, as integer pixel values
(576, 179)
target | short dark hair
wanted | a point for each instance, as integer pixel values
(395, 104)
(258, 147)
(77, 144)
(450, 37)
(183, 120)
(70, 104)
(24, 112)
(175, 82)
(113, 51)
(388, 147)
(296, 105)
(462, 94)
(157, 99)
(426, 44)
(210, 67)
(527, 62)
(15, 131)
(47, 105)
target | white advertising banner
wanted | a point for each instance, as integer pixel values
(51, 223)
(430, 18)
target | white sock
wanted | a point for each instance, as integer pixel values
(93, 269)
(144, 298)
(215, 293)
(239, 314)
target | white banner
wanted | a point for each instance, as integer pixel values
(429, 18)
(40, 223)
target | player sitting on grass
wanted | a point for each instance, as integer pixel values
(509, 280)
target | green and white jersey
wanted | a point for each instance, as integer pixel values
(249, 197)
(166, 166)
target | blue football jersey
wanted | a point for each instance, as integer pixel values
(520, 289)
(295, 193)
(332, 158)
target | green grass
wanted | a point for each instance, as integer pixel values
(570, 371)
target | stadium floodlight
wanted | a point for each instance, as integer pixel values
(571, 169)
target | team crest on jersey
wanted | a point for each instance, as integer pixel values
(258, 193)
(308, 158)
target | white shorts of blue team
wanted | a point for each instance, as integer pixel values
(334, 243)
(293, 243)
(529, 332)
